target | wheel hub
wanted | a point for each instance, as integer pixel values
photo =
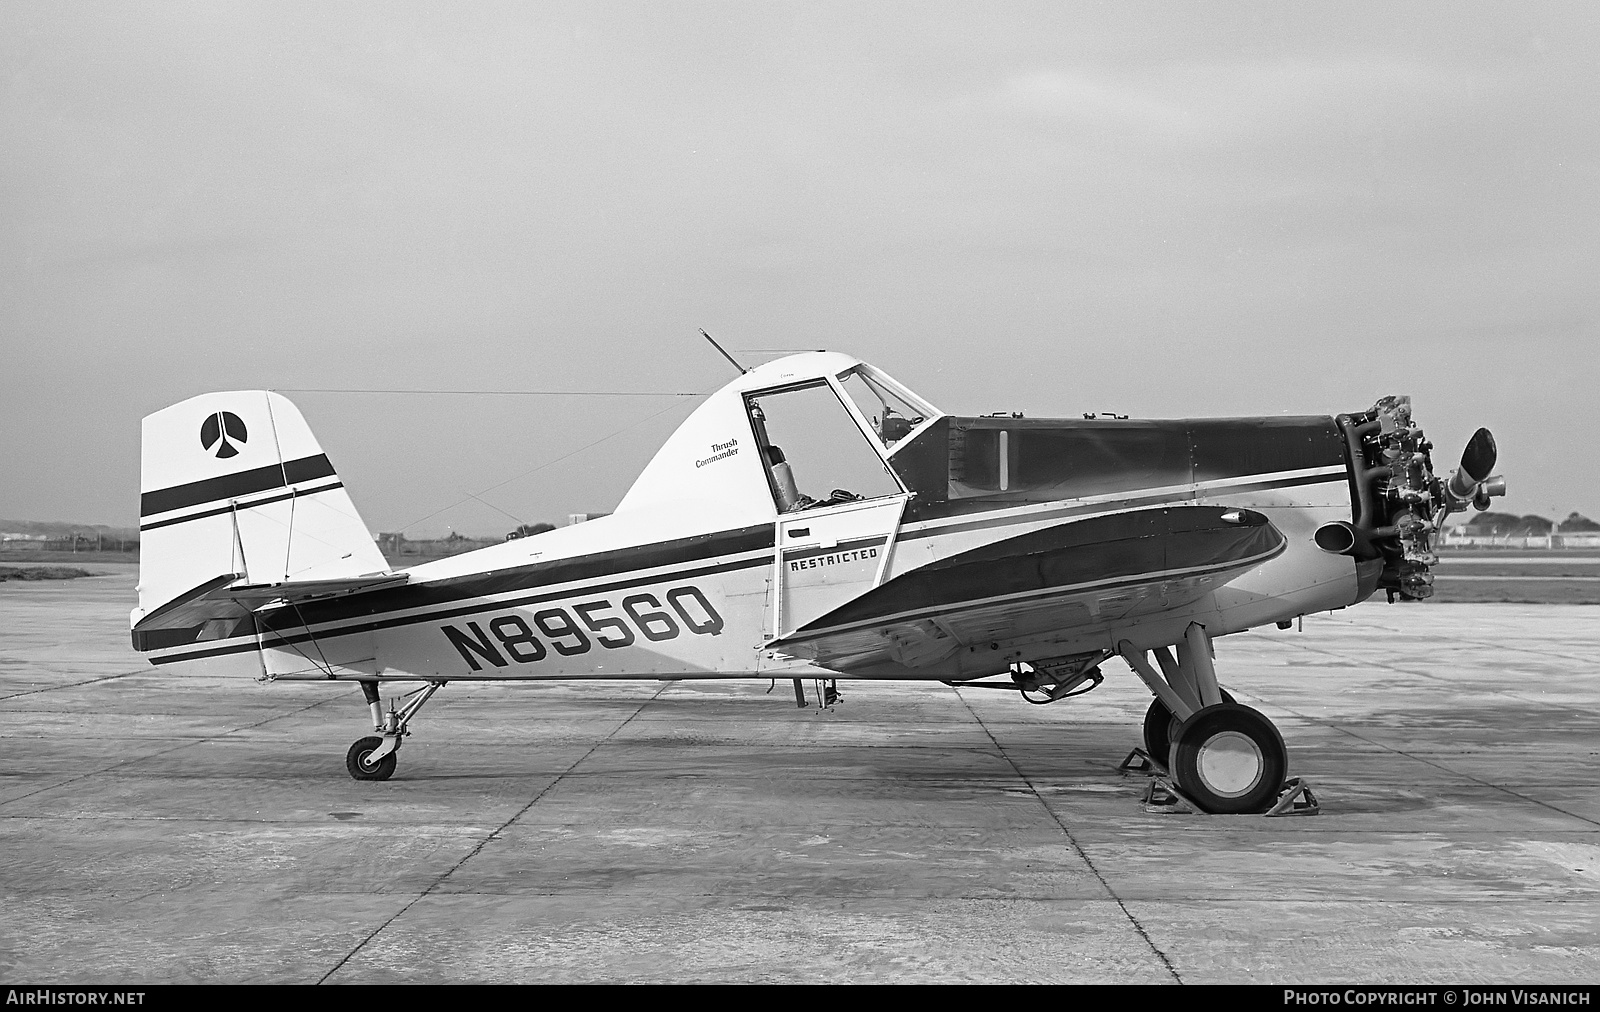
(1230, 764)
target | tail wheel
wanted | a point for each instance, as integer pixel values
(356, 762)
(1229, 758)
(1160, 726)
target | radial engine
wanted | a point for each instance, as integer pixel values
(1399, 503)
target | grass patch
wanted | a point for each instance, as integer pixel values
(41, 573)
(81, 558)
(1490, 591)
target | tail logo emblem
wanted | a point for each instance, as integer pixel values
(218, 428)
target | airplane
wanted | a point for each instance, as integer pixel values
(814, 519)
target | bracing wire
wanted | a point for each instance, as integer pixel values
(538, 467)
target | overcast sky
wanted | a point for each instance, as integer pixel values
(1163, 210)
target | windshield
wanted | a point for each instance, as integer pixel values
(891, 410)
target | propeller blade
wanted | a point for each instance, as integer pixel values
(1476, 463)
(1479, 458)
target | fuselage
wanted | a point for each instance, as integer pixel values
(885, 540)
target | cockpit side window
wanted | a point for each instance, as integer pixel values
(815, 453)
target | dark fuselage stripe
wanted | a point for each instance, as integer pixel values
(232, 486)
(293, 493)
(1114, 583)
(476, 589)
(478, 607)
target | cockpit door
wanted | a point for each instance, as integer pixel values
(838, 502)
(829, 555)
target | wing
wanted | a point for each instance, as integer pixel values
(1095, 571)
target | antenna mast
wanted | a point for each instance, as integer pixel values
(725, 354)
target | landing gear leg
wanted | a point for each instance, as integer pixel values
(1228, 758)
(373, 757)
(1160, 726)
(374, 704)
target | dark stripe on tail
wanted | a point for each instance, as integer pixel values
(232, 486)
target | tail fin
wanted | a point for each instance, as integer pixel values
(234, 485)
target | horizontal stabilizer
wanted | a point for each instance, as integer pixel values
(256, 595)
(224, 605)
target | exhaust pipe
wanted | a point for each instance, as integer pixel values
(1340, 537)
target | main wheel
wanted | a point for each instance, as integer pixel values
(1229, 758)
(1160, 725)
(356, 762)
(1158, 730)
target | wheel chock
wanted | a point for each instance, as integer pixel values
(1161, 797)
(1296, 799)
(1139, 761)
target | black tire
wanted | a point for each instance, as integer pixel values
(1157, 730)
(355, 760)
(1160, 726)
(1230, 759)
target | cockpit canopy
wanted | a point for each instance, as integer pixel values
(799, 432)
(822, 428)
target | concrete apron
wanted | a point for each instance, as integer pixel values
(166, 830)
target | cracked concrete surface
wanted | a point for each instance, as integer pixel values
(179, 829)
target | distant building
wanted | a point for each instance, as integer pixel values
(395, 545)
(1507, 530)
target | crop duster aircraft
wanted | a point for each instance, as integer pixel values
(814, 519)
